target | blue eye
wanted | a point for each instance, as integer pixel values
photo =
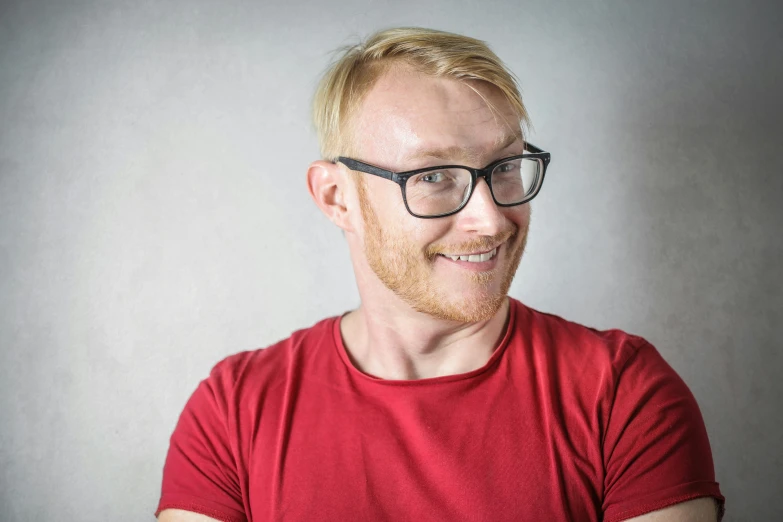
(430, 177)
(507, 167)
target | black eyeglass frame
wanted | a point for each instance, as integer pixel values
(401, 178)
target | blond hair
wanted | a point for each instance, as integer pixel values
(351, 76)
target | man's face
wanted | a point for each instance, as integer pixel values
(409, 121)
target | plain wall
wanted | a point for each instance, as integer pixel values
(154, 216)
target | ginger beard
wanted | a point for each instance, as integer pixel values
(400, 266)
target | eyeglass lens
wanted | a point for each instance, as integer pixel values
(441, 191)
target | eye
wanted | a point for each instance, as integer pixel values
(431, 177)
(511, 166)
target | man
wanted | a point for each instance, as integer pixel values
(439, 398)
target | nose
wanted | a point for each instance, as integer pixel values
(481, 215)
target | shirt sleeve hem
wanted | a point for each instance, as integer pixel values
(666, 498)
(202, 507)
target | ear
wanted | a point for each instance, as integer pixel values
(327, 186)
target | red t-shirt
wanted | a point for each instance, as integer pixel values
(563, 422)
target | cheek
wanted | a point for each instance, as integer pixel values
(520, 216)
(384, 200)
(383, 196)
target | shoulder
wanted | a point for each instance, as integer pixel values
(572, 344)
(604, 371)
(619, 391)
(250, 370)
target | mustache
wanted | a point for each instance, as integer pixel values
(480, 244)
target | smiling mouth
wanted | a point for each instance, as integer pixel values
(473, 258)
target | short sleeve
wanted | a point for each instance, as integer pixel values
(656, 450)
(200, 473)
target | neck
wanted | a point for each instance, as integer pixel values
(405, 344)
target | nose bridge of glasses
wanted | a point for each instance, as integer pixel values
(481, 176)
(485, 175)
(480, 212)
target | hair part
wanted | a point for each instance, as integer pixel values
(437, 53)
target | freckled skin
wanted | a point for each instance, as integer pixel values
(404, 113)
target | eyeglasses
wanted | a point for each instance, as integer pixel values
(434, 192)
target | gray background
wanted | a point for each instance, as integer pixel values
(154, 216)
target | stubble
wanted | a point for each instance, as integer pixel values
(403, 269)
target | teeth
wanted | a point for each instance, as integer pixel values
(475, 258)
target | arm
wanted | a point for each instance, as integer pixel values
(703, 509)
(178, 515)
(657, 453)
(201, 477)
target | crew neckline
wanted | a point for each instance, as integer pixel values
(497, 354)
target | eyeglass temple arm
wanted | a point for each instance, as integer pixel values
(367, 168)
(532, 148)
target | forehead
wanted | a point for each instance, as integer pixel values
(408, 114)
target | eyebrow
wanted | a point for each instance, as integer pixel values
(463, 153)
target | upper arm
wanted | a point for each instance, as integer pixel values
(201, 472)
(703, 509)
(656, 450)
(178, 515)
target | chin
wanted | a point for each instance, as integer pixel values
(463, 307)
